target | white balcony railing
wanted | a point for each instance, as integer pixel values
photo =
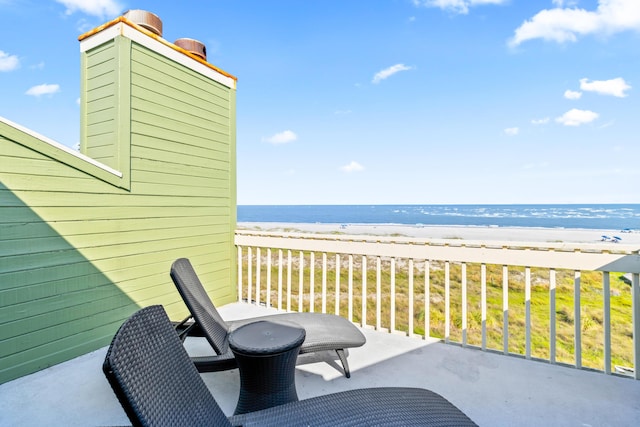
(577, 305)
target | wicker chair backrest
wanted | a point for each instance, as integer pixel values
(200, 305)
(153, 377)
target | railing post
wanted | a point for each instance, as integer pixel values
(289, 267)
(447, 302)
(268, 278)
(258, 263)
(483, 303)
(427, 300)
(249, 274)
(463, 273)
(392, 291)
(527, 312)
(577, 322)
(410, 297)
(239, 273)
(324, 282)
(300, 281)
(552, 315)
(280, 268)
(350, 290)
(312, 291)
(606, 295)
(635, 285)
(337, 302)
(505, 309)
(378, 292)
(363, 321)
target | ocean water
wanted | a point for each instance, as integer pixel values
(616, 216)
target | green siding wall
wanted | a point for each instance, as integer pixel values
(101, 80)
(79, 252)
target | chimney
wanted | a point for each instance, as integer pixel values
(137, 86)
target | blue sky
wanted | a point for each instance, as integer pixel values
(385, 101)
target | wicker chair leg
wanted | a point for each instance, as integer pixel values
(345, 364)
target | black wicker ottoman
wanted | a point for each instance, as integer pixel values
(266, 353)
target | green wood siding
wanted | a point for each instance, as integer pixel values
(81, 249)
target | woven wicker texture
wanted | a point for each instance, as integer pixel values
(362, 407)
(266, 353)
(153, 377)
(156, 383)
(324, 331)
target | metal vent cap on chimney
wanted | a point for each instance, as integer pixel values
(145, 19)
(192, 46)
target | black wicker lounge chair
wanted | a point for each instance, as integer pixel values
(156, 384)
(324, 331)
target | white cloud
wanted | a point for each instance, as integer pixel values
(352, 167)
(562, 3)
(512, 131)
(457, 6)
(570, 94)
(282, 137)
(43, 89)
(388, 72)
(614, 87)
(99, 8)
(542, 121)
(8, 62)
(563, 24)
(575, 117)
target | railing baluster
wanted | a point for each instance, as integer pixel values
(427, 300)
(350, 289)
(249, 274)
(289, 266)
(324, 282)
(483, 303)
(268, 277)
(337, 302)
(312, 272)
(378, 292)
(606, 294)
(552, 315)
(300, 281)
(410, 297)
(240, 273)
(635, 307)
(392, 308)
(447, 302)
(258, 263)
(363, 321)
(463, 273)
(280, 268)
(527, 311)
(505, 309)
(577, 321)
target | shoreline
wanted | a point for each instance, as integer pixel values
(456, 232)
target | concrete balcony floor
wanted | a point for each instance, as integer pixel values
(492, 389)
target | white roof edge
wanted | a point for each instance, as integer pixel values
(122, 29)
(62, 147)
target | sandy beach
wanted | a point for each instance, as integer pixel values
(481, 233)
